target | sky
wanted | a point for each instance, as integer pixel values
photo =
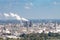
(32, 9)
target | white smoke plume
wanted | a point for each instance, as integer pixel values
(6, 15)
(13, 15)
(24, 19)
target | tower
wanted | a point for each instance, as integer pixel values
(30, 24)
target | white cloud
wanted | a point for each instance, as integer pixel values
(56, 3)
(26, 7)
(31, 4)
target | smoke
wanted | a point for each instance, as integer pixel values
(17, 17)
(13, 15)
(6, 15)
(24, 19)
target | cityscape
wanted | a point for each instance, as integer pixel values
(29, 19)
(14, 29)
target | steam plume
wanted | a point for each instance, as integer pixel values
(6, 15)
(24, 19)
(16, 16)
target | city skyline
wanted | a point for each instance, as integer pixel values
(32, 9)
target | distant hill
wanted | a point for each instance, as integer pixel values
(45, 20)
(32, 20)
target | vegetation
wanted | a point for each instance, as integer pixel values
(37, 36)
(42, 36)
(10, 39)
(1, 38)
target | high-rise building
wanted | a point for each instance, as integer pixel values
(30, 24)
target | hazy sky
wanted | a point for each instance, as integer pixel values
(32, 9)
